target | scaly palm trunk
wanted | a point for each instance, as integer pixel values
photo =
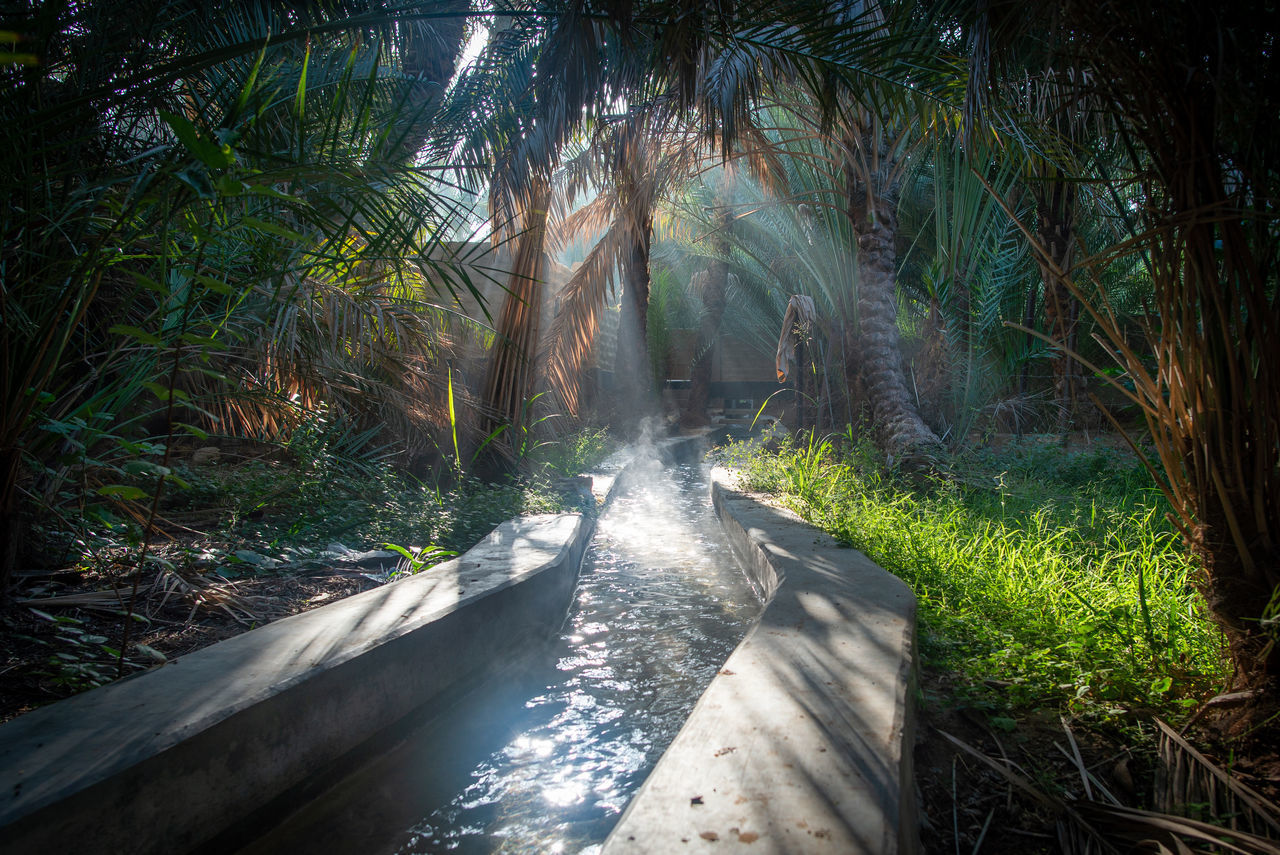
(873, 212)
(633, 377)
(1055, 204)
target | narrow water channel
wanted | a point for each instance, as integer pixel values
(544, 756)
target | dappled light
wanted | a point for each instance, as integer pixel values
(299, 301)
(571, 730)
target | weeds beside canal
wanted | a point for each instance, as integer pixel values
(1046, 578)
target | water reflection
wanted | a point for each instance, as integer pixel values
(546, 760)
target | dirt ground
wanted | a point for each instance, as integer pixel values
(967, 806)
(44, 660)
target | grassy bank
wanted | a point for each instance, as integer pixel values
(1045, 578)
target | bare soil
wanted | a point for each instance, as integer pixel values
(967, 806)
(44, 661)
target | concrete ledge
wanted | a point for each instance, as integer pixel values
(803, 741)
(163, 762)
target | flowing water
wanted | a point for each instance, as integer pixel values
(544, 757)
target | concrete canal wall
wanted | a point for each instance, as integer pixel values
(166, 761)
(802, 742)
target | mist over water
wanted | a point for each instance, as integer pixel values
(546, 758)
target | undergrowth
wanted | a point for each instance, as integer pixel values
(1046, 578)
(247, 514)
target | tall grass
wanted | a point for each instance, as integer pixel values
(1046, 578)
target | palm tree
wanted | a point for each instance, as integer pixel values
(970, 266)
(1057, 104)
(631, 166)
(575, 61)
(1191, 92)
(789, 236)
(178, 187)
(881, 127)
(875, 159)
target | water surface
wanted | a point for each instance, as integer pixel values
(544, 757)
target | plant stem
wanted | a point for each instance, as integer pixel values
(164, 464)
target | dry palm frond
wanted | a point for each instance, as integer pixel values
(592, 218)
(1187, 777)
(1091, 826)
(1165, 834)
(572, 334)
(203, 591)
(634, 164)
(511, 367)
(87, 599)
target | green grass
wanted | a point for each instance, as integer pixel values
(1046, 578)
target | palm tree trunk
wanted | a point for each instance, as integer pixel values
(1024, 376)
(430, 54)
(509, 380)
(1194, 87)
(873, 211)
(633, 377)
(1055, 203)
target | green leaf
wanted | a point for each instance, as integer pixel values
(198, 181)
(270, 192)
(274, 229)
(192, 429)
(399, 550)
(145, 467)
(136, 333)
(300, 97)
(217, 286)
(203, 149)
(143, 447)
(123, 491)
(229, 185)
(201, 340)
(162, 392)
(148, 283)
